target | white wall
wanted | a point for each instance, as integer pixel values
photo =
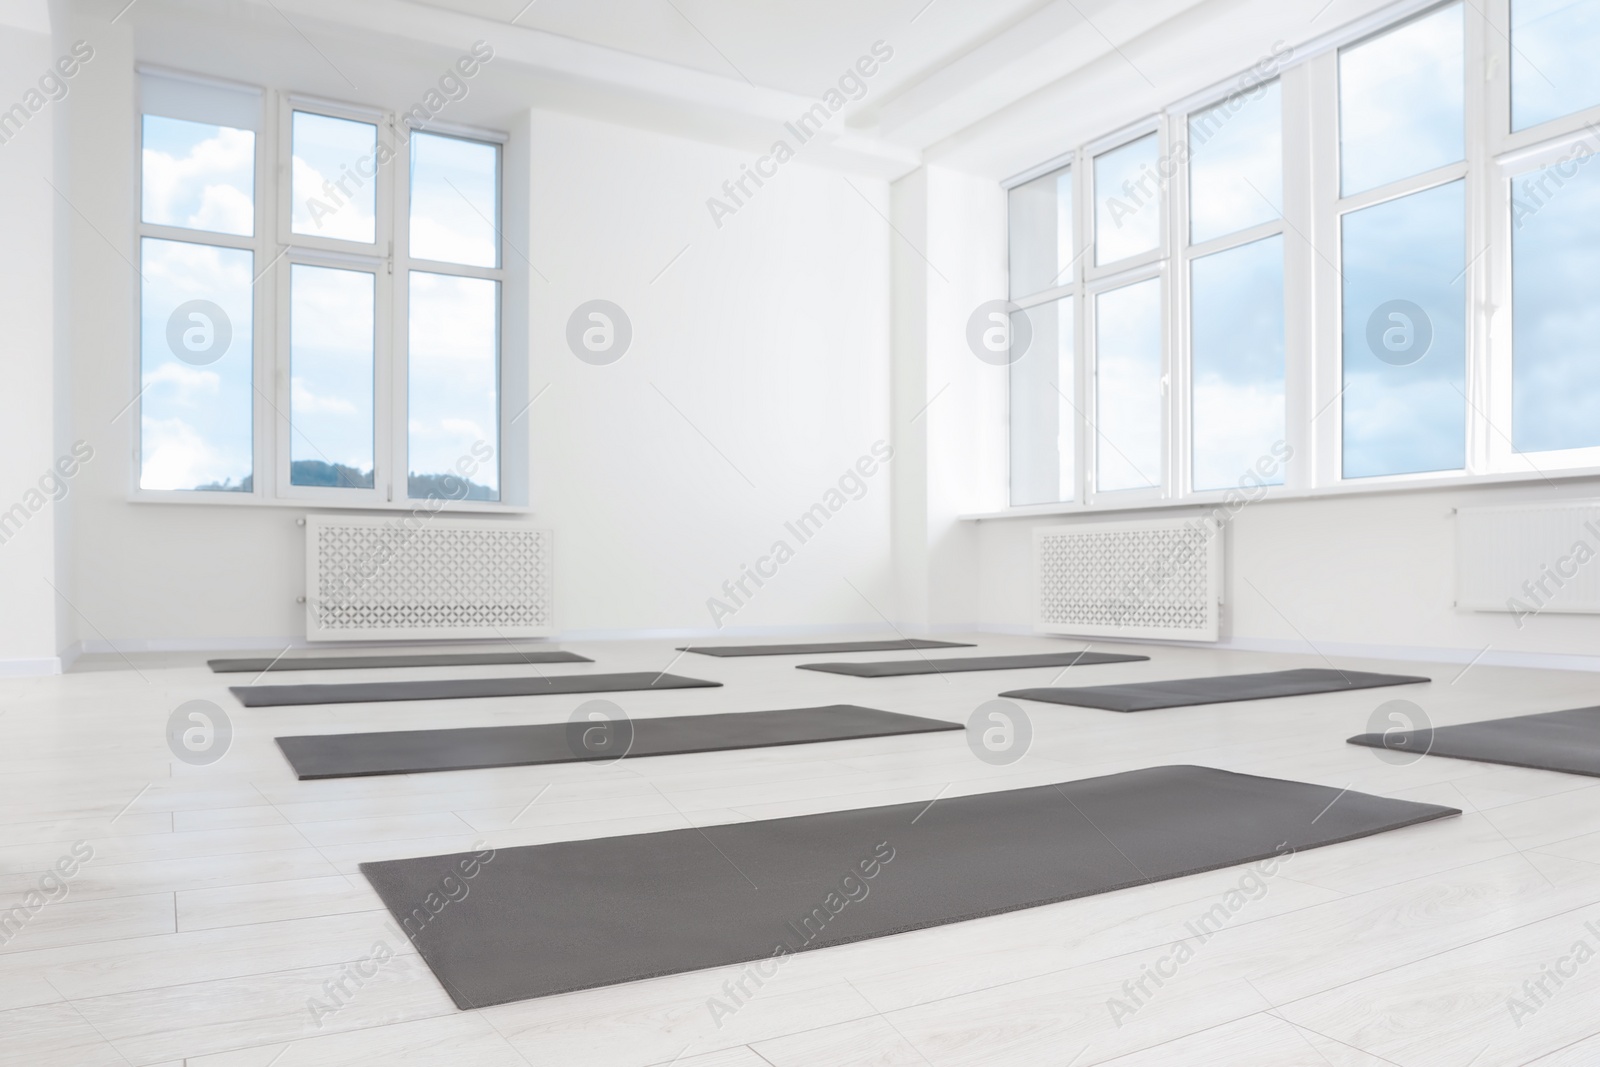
(770, 335)
(949, 405)
(27, 425)
(1360, 575)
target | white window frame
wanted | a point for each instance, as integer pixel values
(1332, 210)
(276, 249)
(1090, 154)
(1069, 291)
(1095, 496)
(1102, 278)
(1180, 302)
(1311, 226)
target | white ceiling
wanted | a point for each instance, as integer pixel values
(989, 87)
(799, 46)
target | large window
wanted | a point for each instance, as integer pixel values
(1355, 268)
(321, 309)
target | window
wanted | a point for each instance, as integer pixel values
(197, 367)
(1042, 366)
(1402, 101)
(333, 336)
(1041, 234)
(1402, 115)
(1237, 407)
(1042, 406)
(1553, 47)
(1236, 164)
(1555, 237)
(1405, 335)
(1237, 363)
(1128, 413)
(1127, 201)
(1379, 273)
(331, 193)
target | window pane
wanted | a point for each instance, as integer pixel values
(1401, 101)
(454, 416)
(1553, 72)
(1041, 234)
(1128, 387)
(196, 367)
(455, 200)
(1405, 335)
(1238, 366)
(198, 176)
(1556, 308)
(1127, 201)
(331, 316)
(1042, 421)
(335, 178)
(1236, 164)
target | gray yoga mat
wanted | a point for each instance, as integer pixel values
(421, 659)
(271, 696)
(899, 667)
(1567, 741)
(822, 648)
(1187, 692)
(421, 751)
(543, 919)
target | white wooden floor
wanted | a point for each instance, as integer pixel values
(220, 899)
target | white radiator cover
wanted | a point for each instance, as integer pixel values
(418, 577)
(1528, 558)
(1152, 579)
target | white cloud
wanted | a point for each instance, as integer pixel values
(1235, 426)
(188, 383)
(305, 402)
(209, 188)
(176, 456)
(337, 215)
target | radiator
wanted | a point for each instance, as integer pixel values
(1152, 579)
(418, 577)
(1523, 559)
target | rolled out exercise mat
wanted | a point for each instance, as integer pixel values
(420, 659)
(1224, 689)
(421, 751)
(822, 648)
(1566, 741)
(269, 696)
(542, 919)
(897, 667)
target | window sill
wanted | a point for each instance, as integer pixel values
(1364, 487)
(247, 500)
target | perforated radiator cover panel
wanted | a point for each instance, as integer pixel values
(418, 577)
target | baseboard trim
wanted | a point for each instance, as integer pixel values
(30, 668)
(257, 644)
(1490, 657)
